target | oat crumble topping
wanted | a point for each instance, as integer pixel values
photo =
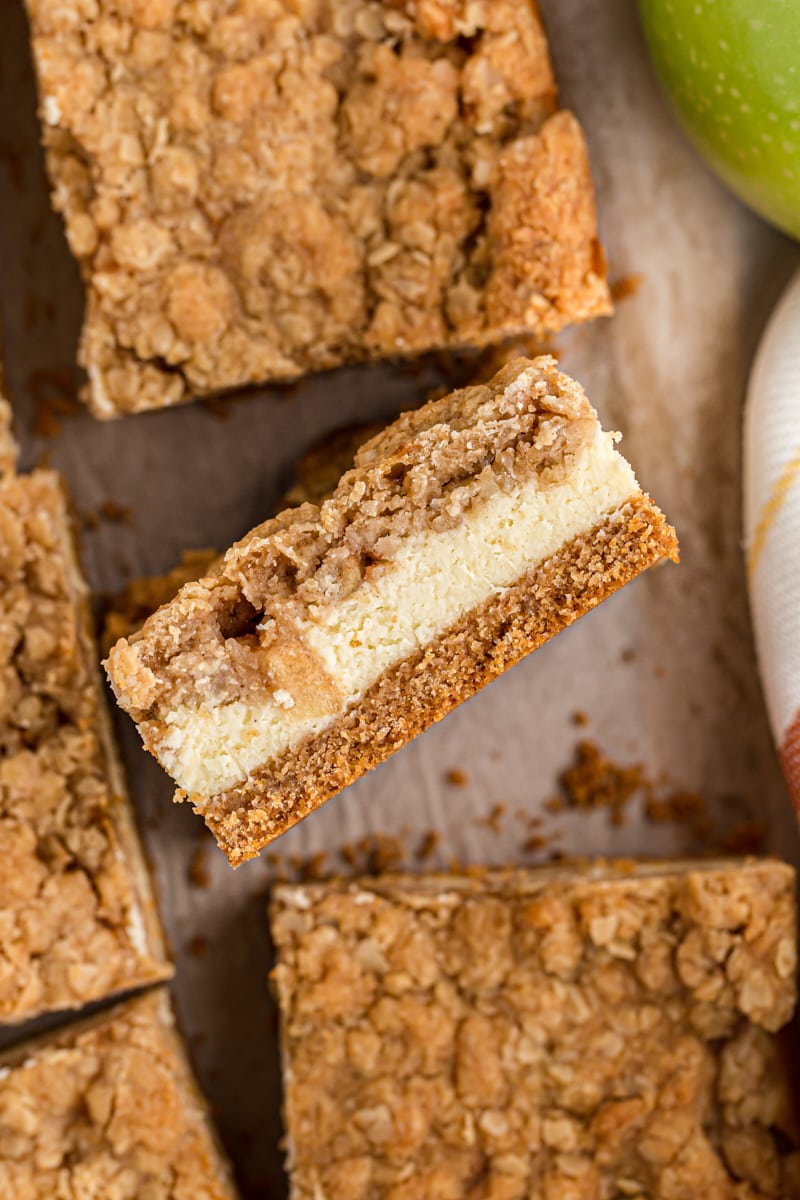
(260, 188)
(76, 917)
(551, 1035)
(109, 1110)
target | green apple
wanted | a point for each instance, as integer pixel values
(732, 69)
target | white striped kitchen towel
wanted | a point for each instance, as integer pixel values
(772, 523)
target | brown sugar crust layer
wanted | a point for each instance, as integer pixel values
(256, 188)
(77, 921)
(427, 686)
(108, 1109)
(426, 470)
(549, 1034)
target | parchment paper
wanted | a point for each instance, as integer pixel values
(664, 671)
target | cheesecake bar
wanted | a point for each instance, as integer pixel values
(108, 1110)
(256, 189)
(77, 918)
(541, 1035)
(468, 532)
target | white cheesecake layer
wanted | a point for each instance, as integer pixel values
(433, 581)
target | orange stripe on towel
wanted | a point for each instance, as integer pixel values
(771, 510)
(790, 757)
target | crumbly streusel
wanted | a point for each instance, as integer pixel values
(110, 1110)
(259, 188)
(76, 917)
(423, 471)
(540, 1035)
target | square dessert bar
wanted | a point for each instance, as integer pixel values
(77, 918)
(108, 1109)
(256, 189)
(468, 533)
(559, 1034)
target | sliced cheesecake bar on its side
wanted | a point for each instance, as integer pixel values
(553, 1033)
(77, 917)
(469, 532)
(108, 1108)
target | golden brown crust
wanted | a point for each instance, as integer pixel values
(108, 1108)
(256, 188)
(426, 687)
(554, 1034)
(77, 920)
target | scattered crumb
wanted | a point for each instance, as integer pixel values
(198, 868)
(536, 842)
(428, 845)
(746, 837)
(580, 719)
(197, 947)
(624, 288)
(681, 808)
(55, 395)
(381, 852)
(116, 513)
(218, 406)
(628, 655)
(594, 781)
(494, 818)
(456, 778)
(314, 867)
(348, 854)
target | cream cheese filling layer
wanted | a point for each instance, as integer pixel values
(433, 581)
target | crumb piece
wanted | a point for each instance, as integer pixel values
(456, 777)
(683, 807)
(580, 719)
(536, 841)
(746, 837)
(197, 947)
(54, 395)
(594, 782)
(381, 852)
(494, 818)
(428, 845)
(624, 288)
(199, 875)
(116, 513)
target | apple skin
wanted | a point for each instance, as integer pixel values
(732, 71)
